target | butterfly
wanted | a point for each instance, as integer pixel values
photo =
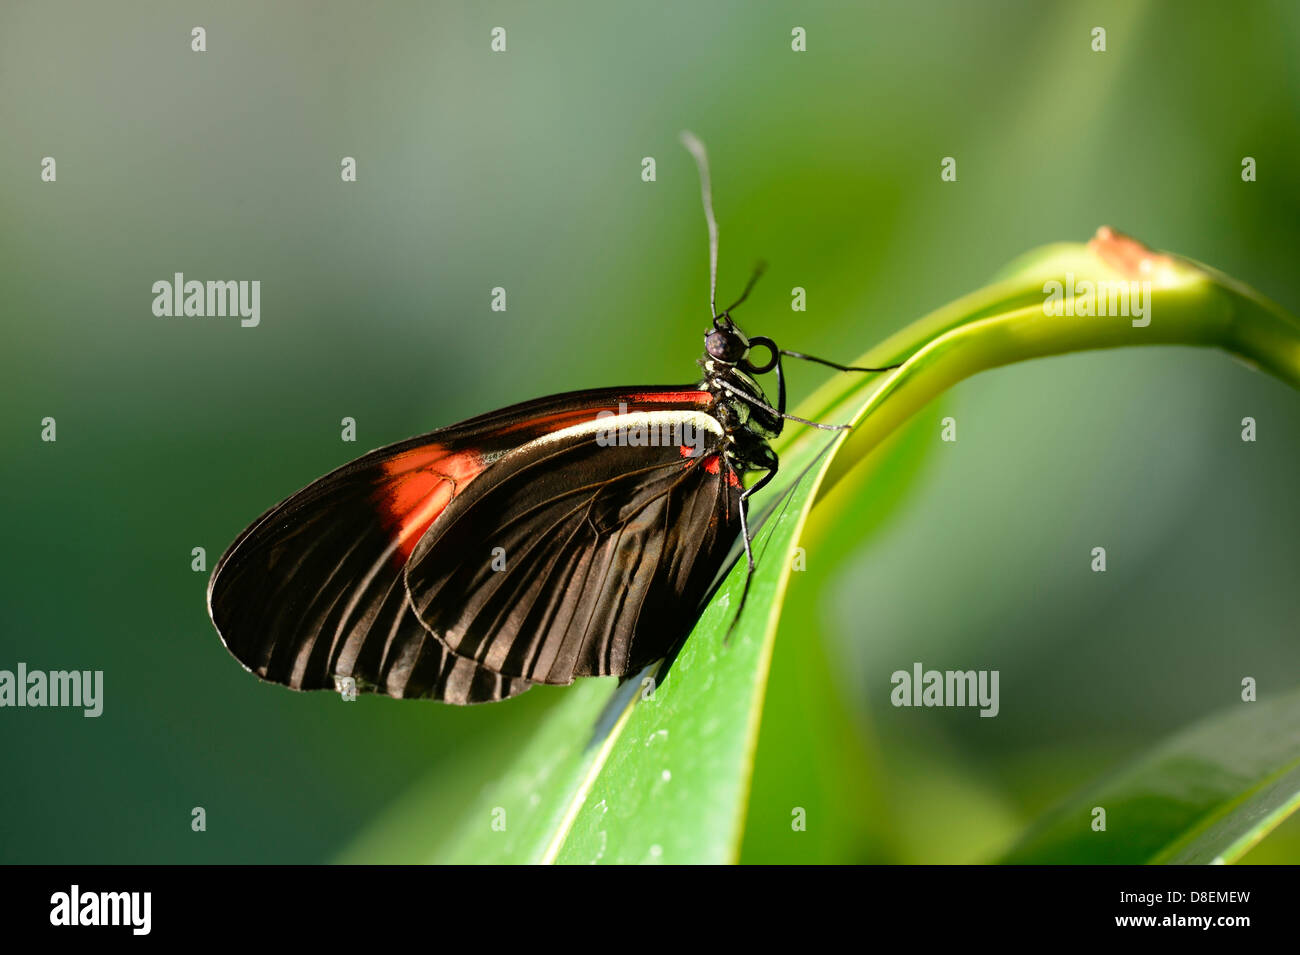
(570, 536)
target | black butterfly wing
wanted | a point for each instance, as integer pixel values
(585, 554)
(313, 590)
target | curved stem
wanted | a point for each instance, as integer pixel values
(1187, 304)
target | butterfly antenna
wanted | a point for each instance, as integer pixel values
(759, 269)
(696, 148)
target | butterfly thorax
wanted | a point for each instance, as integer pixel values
(741, 406)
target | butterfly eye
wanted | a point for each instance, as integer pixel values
(726, 345)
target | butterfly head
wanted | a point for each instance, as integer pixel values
(725, 342)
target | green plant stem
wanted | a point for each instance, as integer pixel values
(995, 327)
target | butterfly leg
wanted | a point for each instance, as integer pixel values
(744, 511)
(768, 464)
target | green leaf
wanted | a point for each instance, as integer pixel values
(816, 750)
(1207, 795)
(614, 777)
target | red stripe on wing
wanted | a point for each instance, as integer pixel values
(417, 487)
(693, 396)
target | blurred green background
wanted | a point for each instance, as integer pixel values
(523, 170)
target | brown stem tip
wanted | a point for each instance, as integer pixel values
(1128, 256)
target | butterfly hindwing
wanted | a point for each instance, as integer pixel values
(587, 553)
